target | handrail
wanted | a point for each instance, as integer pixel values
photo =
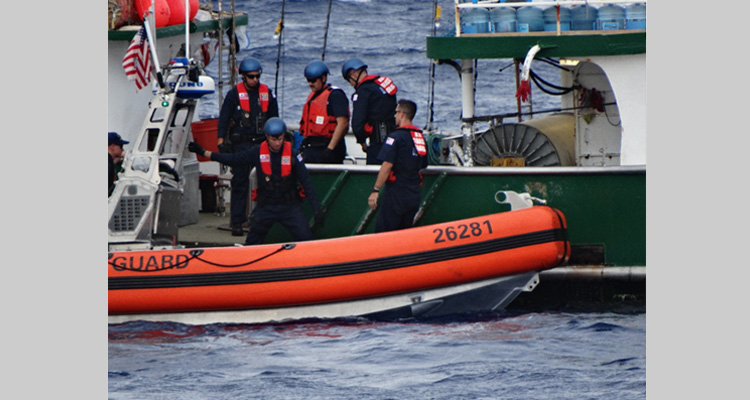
(493, 4)
(488, 4)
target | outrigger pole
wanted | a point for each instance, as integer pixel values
(325, 32)
(279, 32)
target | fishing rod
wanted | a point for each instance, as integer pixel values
(325, 32)
(279, 33)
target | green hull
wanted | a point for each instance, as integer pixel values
(605, 207)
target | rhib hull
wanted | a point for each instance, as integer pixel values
(472, 265)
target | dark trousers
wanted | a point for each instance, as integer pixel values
(397, 210)
(290, 216)
(373, 150)
(238, 197)
(240, 191)
(314, 149)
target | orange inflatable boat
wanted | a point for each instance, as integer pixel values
(473, 265)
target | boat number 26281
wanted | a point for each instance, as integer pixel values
(462, 231)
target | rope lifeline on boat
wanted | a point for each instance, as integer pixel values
(342, 268)
(180, 262)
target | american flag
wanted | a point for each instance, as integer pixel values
(137, 61)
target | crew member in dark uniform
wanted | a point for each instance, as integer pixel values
(116, 154)
(373, 103)
(403, 155)
(325, 118)
(281, 172)
(246, 108)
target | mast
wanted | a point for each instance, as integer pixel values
(431, 91)
(467, 111)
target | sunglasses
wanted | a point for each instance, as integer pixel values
(311, 80)
(251, 76)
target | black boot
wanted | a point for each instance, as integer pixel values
(237, 230)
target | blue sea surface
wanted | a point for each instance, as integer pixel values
(390, 37)
(542, 355)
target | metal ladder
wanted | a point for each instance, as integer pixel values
(230, 48)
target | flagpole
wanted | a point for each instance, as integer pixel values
(153, 51)
(187, 30)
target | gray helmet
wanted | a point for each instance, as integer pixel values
(316, 69)
(352, 64)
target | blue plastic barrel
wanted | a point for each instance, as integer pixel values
(635, 16)
(529, 19)
(503, 19)
(475, 20)
(550, 19)
(610, 18)
(583, 18)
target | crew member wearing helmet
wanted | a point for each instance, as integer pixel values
(373, 103)
(246, 108)
(281, 173)
(116, 154)
(325, 118)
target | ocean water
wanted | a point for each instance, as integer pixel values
(512, 355)
(390, 37)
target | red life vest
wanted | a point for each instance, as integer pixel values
(384, 82)
(419, 143)
(315, 119)
(418, 138)
(286, 159)
(288, 184)
(245, 99)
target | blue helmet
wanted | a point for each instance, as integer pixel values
(250, 64)
(274, 126)
(352, 64)
(316, 69)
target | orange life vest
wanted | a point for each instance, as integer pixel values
(288, 185)
(315, 119)
(245, 98)
(286, 158)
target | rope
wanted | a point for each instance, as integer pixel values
(433, 149)
(195, 255)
